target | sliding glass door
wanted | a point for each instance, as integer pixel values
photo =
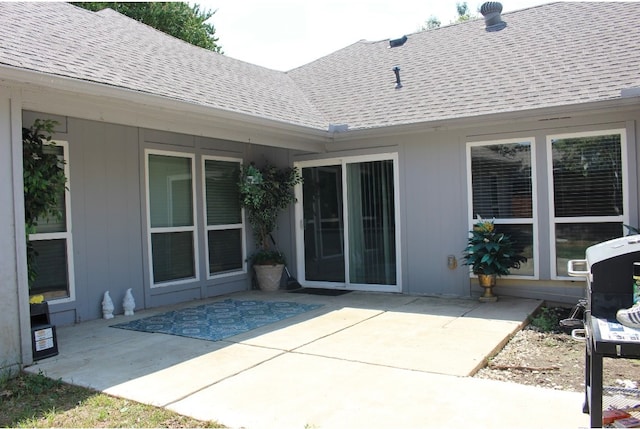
(349, 219)
(323, 223)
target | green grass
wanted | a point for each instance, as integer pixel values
(37, 401)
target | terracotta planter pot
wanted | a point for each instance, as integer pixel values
(269, 276)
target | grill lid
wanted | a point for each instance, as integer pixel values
(612, 248)
(602, 252)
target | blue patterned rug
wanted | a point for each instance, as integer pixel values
(218, 320)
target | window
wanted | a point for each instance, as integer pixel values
(53, 245)
(223, 216)
(588, 197)
(501, 188)
(171, 218)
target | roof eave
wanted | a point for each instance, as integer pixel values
(217, 117)
(529, 115)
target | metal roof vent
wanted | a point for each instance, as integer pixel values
(396, 70)
(394, 43)
(491, 11)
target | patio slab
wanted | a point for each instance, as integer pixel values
(360, 360)
(181, 380)
(303, 391)
(432, 335)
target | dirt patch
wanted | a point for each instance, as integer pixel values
(554, 360)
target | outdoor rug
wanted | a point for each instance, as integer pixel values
(218, 320)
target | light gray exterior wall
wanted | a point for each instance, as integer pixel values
(434, 200)
(15, 345)
(105, 220)
(545, 288)
(108, 210)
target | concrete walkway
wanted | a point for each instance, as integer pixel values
(361, 360)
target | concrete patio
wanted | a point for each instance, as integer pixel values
(362, 360)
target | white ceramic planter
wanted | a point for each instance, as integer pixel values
(269, 276)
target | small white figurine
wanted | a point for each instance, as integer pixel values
(107, 306)
(128, 303)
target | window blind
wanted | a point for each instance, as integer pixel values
(51, 264)
(173, 256)
(225, 250)
(587, 176)
(222, 202)
(501, 180)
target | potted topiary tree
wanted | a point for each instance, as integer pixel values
(490, 254)
(264, 192)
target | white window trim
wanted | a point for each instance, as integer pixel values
(66, 235)
(553, 220)
(299, 220)
(193, 228)
(208, 228)
(533, 221)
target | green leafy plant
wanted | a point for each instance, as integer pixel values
(44, 183)
(179, 19)
(546, 320)
(489, 251)
(40, 383)
(268, 257)
(264, 192)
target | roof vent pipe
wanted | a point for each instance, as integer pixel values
(396, 70)
(491, 11)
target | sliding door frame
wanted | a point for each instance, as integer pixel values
(300, 224)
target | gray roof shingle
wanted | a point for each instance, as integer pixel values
(552, 55)
(547, 56)
(108, 48)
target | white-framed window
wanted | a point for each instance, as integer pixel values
(172, 243)
(224, 219)
(53, 244)
(588, 193)
(349, 235)
(501, 183)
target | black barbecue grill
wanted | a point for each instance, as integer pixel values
(608, 270)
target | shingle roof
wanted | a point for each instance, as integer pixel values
(552, 55)
(108, 48)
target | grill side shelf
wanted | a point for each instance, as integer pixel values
(629, 349)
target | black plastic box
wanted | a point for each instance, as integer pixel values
(44, 342)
